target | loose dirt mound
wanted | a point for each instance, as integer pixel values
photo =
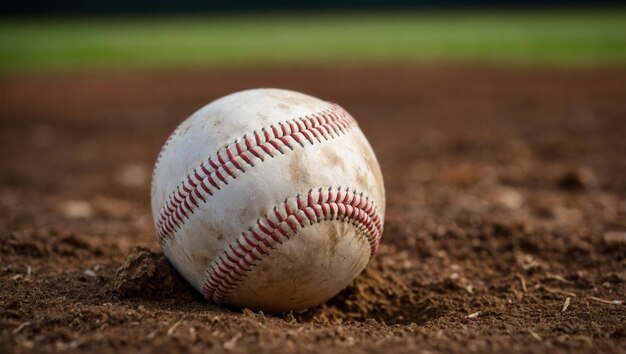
(505, 228)
(145, 274)
(379, 294)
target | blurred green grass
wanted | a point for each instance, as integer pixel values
(531, 38)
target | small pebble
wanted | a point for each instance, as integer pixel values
(133, 175)
(77, 209)
(615, 237)
(508, 198)
(579, 179)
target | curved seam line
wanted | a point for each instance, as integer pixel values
(210, 177)
(239, 257)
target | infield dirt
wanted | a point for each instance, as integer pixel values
(505, 228)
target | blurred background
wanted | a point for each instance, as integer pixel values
(74, 34)
(499, 127)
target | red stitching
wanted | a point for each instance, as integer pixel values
(228, 269)
(211, 175)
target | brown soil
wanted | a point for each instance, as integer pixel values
(506, 224)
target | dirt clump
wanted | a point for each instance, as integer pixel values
(146, 274)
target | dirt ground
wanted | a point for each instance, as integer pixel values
(505, 228)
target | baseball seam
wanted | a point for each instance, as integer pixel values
(237, 259)
(229, 162)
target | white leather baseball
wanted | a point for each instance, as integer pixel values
(268, 199)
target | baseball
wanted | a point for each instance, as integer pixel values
(268, 199)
